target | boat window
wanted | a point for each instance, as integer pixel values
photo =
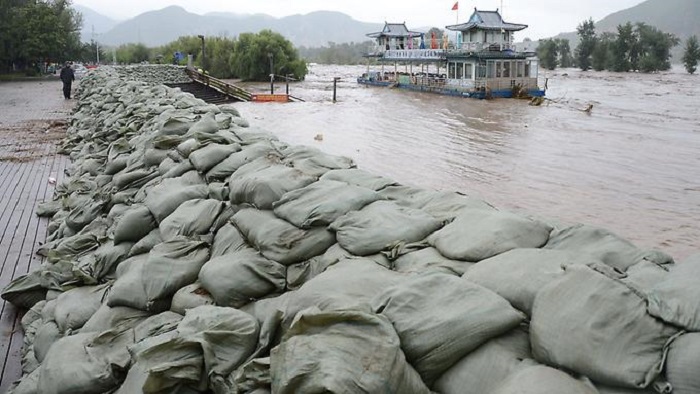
(481, 70)
(506, 69)
(499, 69)
(527, 69)
(460, 70)
(469, 71)
(451, 70)
(521, 68)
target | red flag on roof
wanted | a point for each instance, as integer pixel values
(456, 6)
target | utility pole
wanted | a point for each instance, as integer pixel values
(335, 85)
(97, 46)
(272, 72)
(204, 56)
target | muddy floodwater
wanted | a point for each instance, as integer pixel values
(632, 165)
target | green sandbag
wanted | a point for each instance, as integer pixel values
(146, 243)
(75, 364)
(540, 379)
(227, 240)
(25, 291)
(440, 318)
(683, 364)
(428, 259)
(84, 214)
(190, 297)
(300, 273)
(206, 158)
(261, 186)
(119, 318)
(170, 266)
(279, 240)
(116, 165)
(207, 124)
(322, 202)
(166, 197)
(193, 217)
(314, 162)
(134, 179)
(135, 224)
(598, 243)
(233, 162)
(347, 284)
(357, 177)
(360, 348)
(518, 275)
(49, 208)
(478, 234)
(597, 326)
(96, 267)
(178, 170)
(484, 369)
(210, 343)
(238, 278)
(675, 300)
(75, 307)
(381, 226)
(70, 248)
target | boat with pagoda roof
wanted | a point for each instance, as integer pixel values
(481, 62)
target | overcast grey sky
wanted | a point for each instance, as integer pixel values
(545, 17)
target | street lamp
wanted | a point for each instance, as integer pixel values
(204, 56)
(272, 73)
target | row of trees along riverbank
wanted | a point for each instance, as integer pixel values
(247, 57)
(635, 47)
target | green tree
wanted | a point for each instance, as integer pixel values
(654, 48)
(547, 53)
(603, 52)
(34, 31)
(255, 54)
(691, 56)
(133, 53)
(564, 51)
(584, 51)
(623, 50)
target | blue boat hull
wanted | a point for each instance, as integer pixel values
(506, 93)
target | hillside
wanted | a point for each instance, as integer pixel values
(93, 20)
(679, 17)
(162, 26)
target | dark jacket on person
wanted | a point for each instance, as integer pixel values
(67, 74)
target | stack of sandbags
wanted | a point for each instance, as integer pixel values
(191, 253)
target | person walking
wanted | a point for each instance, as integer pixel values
(67, 76)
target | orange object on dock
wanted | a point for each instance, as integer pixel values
(271, 98)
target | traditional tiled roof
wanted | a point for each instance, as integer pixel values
(395, 30)
(486, 20)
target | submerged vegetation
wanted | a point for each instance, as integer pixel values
(635, 47)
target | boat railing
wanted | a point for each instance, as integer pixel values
(485, 46)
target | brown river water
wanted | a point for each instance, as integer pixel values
(632, 165)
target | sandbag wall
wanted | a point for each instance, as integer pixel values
(191, 253)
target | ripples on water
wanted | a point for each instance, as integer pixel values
(632, 166)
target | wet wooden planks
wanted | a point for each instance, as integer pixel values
(27, 160)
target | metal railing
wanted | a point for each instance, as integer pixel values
(220, 86)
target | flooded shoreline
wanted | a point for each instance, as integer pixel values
(629, 166)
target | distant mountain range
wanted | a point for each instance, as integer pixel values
(94, 23)
(317, 29)
(160, 27)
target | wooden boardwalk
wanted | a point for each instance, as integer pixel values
(28, 161)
